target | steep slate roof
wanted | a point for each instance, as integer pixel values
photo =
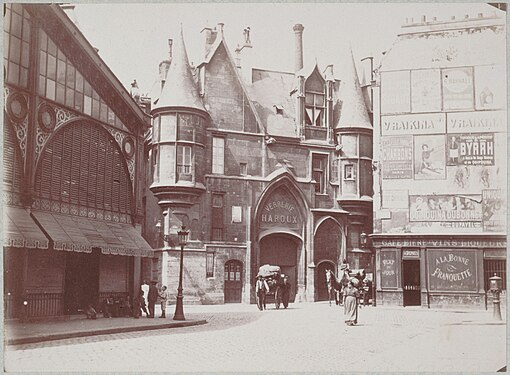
(354, 112)
(97, 73)
(180, 89)
(271, 90)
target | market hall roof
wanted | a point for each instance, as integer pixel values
(180, 90)
(85, 57)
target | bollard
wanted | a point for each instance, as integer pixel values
(495, 288)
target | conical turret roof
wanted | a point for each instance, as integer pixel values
(180, 89)
(354, 112)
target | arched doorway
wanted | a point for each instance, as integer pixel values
(281, 250)
(233, 285)
(320, 280)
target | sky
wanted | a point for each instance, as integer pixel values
(132, 38)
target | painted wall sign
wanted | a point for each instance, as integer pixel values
(396, 92)
(397, 157)
(445, 208)
(457, 88)
(440, 243)
(470, 149)
(494, 210)
(452, 270)
(426, 90)
(489, 92)
(429, 157)
(279, 210)
(427, 123)
(476, 122)
(388, 269)
(395, 198)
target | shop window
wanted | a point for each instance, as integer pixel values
(218, 155)
(319, 173)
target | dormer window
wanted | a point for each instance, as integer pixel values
(314, 109)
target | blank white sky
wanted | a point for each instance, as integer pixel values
(132, 38)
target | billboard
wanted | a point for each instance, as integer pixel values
(477, 122)
(426, 123)
(457, 88)
(396, 92)
(429, 157)
(470, 149)
(397, 157)
(426, 90)
(494, 210)
(490, 93)
(453, 208)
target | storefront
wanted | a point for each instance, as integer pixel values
(434, 271)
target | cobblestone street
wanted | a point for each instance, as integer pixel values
(305, 337)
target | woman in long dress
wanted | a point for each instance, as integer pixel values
(351, 296)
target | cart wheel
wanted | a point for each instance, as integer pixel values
(259, 302)
(277, 298)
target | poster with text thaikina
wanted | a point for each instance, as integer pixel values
(470, 149)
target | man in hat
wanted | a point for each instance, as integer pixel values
(261, 288)
(285, 291)
(152, 297)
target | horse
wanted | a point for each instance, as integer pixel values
(335, 287)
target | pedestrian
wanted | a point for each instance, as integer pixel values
(145, 289)
(351, 296)
(163, 296)
(261, 288)
(367, 291)
(143, 305)
(152, 297)
(285, 291)
(90, 312)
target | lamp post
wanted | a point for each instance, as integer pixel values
(495, 288)
(179, 312)
(364, 242)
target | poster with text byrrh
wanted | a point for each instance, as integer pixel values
(429, 157)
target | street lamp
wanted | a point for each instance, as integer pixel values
(183, 238)
(495, 288)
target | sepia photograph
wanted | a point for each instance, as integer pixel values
(254, 187)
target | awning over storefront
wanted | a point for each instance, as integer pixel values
(20, 230)
(81, 234)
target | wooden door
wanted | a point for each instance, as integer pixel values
(233, 282)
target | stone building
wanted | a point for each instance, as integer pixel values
(440, 186)
(261, 166)
(72, 156)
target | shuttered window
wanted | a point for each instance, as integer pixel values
(217, 217)
(82, 165)
(13, 164)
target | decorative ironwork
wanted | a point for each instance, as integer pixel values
(46, 117)
(123, 140)
(63, 116)
(17, 107)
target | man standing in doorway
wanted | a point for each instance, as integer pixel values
(152, 297)
(145, 289)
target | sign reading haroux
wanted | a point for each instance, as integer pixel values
(280, 209)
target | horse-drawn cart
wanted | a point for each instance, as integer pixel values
(272, 277)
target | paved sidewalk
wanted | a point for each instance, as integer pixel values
(17, 333)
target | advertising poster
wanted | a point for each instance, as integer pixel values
(489, 92)
(396, 92)
(455, 208)
(452, 270)
(494, 210)
(458, 88)
(477, 122)
(426, 123)
(426, 90)
(397, 157)
(429, 157)
(388, 269)
(395, 198)
(470, 149)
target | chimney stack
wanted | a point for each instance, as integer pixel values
(298, 31)
(170, 43)
(210, 38)
(165, 64)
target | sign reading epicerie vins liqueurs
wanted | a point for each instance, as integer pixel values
(279, 210)
(452, 270)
